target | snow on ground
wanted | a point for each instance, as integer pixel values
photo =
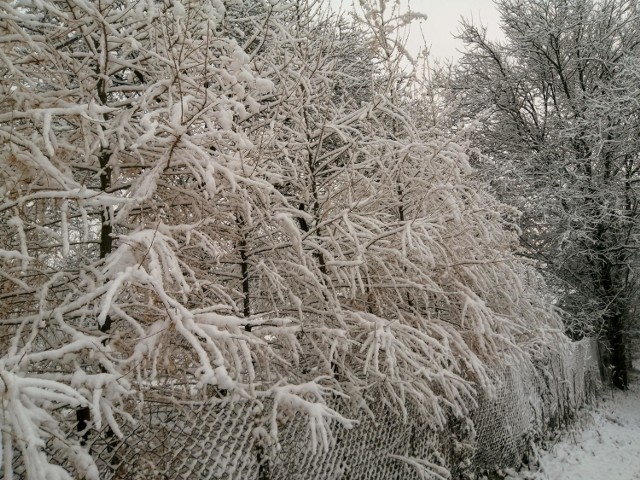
(605, 446)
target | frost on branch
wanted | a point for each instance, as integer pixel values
(199, 205)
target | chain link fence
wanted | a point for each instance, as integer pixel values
(229, 439)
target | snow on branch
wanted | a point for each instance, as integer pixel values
(192, 220)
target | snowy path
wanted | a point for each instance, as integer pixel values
(605, 446)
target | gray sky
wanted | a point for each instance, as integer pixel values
(444, 18)
(443, 21)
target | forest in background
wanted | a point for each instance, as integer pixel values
(256, 199)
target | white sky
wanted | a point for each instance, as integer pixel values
(443, 22)
(444, 19)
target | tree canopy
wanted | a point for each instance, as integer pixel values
(557, 104)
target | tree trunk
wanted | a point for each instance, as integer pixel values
(614, 322)
(617, 343)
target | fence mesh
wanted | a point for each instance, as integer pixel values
(228, 440)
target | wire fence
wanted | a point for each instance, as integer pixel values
(229, 440)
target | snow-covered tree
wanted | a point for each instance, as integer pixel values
(557, 100)
(203, 201)
(122, 149)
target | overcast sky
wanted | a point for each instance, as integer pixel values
(444, 18)
(443, 22)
